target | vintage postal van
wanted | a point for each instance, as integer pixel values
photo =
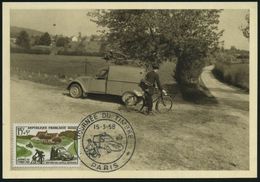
(112, 80)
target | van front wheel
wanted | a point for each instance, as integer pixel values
(75, 90)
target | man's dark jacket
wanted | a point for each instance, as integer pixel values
(151, 79)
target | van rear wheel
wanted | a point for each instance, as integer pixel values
(75, 90)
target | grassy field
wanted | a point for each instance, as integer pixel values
(56, 64)
(22, 141)
(236, 74)
(38, 144)
(66, 141)
(53, 69)
(72, 150)
(58, 70)
(22, 151)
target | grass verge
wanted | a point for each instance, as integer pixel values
(233, 74)
(72, 147)
(22, 151)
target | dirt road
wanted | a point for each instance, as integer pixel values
(228, 96)
(192, 136)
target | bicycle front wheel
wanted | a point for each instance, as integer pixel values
(164, 104)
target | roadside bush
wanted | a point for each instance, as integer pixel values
(79, 53)
(218, 73)
(234, 74)
(38, 51)
(225, 57)
(30, 51)
(187, 74)
(18, 50)
(232, 69)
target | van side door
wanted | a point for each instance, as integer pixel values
(99, 83)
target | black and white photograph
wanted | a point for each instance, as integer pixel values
(118, 89)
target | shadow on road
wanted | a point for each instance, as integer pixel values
(105, 98)
(172, 89)
(101, 97)
(236, 104)
(233, 91)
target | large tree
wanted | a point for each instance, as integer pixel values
(156, 35)
(62, 41)
(245, 28)
(45, 39)
(23, 40)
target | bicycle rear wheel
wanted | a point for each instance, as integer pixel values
(164, 104)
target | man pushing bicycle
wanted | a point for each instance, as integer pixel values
(148, 85)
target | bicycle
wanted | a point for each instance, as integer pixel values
(37, 159)
(164, 102)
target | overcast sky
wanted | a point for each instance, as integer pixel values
(70, 22)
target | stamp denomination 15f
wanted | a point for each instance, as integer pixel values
(107, 141)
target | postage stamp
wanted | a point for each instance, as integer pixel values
(45, 145)
(107, 141)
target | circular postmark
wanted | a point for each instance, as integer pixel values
(105, 141)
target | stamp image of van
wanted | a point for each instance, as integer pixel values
(60, 153)
(106, 142)
(112, 80)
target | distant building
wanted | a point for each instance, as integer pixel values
(45, 134)
(76, 38)
(45, 137)
(13, 40)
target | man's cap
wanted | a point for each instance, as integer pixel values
(155, 66)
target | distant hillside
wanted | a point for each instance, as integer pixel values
(14, 31)
(69, 133)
